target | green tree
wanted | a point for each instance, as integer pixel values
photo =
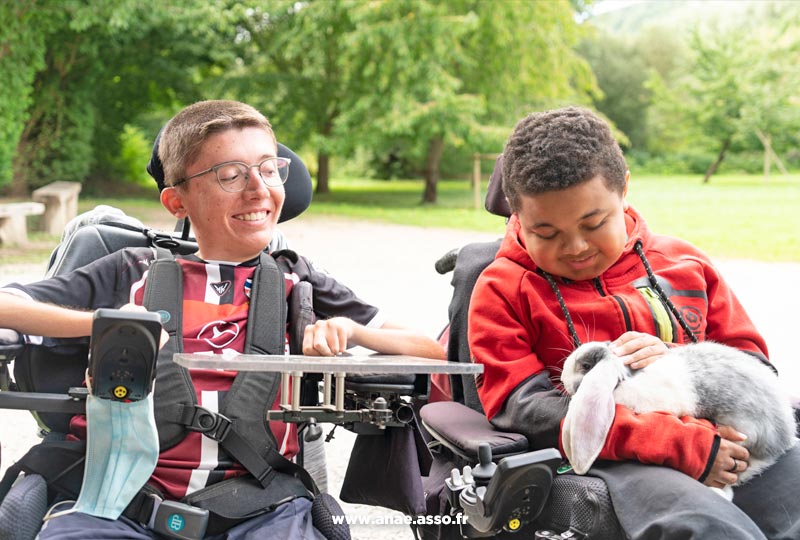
(22, 48)
(729, 87)
(622, 75)
(104, 66)
(511, 59)
(742, 82)
(339, 75)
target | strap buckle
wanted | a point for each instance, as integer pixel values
(213, 425)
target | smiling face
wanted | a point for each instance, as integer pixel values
(232, 227)
(575, 233)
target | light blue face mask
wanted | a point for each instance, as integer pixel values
(121, 453)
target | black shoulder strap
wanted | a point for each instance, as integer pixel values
(163, 292)
(266, 321)
(266, 335)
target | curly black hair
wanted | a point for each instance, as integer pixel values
(558, 149)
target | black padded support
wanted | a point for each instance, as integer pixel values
(472, 259)
(461, 430)
(22, 510)
(495, 201)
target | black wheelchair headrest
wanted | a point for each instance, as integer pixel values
(496, 202)
(297, 186)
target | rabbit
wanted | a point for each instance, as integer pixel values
(703, 380)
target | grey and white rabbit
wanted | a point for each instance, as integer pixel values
(703, 380)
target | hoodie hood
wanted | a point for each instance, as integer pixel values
(513, 247)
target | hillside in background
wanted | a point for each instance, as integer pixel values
(630, 17)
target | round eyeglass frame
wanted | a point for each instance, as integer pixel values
(247, 174)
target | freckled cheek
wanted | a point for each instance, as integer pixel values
(279, 197)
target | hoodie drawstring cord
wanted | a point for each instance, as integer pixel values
(657, 287)
(653, 283)
(576, 342)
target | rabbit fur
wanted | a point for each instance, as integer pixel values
(703, 380)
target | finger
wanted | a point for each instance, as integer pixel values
(333, 339)
(728, 478)
(646, 356)
(308, 341)
(317, 339)
(621, 345)
(732, 450)
(625, 338)
(643, 353)
(633, 344)
(729, 433)
(341, 339)
(741, 466)
(322, 341)
(721, 480)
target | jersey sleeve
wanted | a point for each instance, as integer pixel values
(332, 298)
(104, 283)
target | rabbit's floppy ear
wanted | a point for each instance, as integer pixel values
(589, 417)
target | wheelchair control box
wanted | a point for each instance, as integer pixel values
(122, 353)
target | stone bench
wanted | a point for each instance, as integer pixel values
(13, 222)
(61, 205)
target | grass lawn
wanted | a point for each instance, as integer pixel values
(734, 216)
(731, 217)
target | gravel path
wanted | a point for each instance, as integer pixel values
(392, 267)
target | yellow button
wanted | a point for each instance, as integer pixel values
(514, 524)
(120, 392)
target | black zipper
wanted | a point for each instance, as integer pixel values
(599, 286)
(625, 313)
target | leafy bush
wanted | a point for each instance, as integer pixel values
(135, 150)
(695, 162)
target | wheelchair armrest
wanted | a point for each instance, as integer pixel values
(461, 430)
(397, 383)
(43, 402)
(10, 345)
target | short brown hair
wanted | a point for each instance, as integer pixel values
(558, 149)
(185, 133)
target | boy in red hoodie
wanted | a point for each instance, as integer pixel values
(579, 264)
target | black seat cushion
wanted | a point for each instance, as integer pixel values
(462, 430)
(23, 508)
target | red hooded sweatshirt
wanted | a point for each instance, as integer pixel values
(517, 329)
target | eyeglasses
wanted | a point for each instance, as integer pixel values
(233, 176)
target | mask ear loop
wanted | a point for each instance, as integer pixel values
(88, 380)
(50, 515)
(50, 512)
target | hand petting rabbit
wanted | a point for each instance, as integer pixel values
(703, 380)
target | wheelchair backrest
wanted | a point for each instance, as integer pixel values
(471, 261)
(55, 369)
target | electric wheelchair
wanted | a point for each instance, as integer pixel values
(538, 497)
(47, 379)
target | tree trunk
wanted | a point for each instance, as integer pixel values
(434, 158)
(323, 173)
(714, 166)
(18, 187)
